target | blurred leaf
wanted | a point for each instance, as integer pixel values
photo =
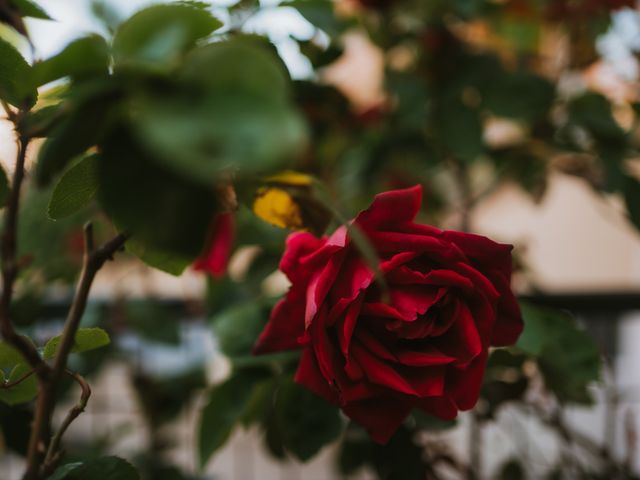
(319, 56)
(250, 67)
(39, 123)
(593, 112)
(85, 339)
(85, 56)
(53, 249)
(62, 471)
(224, 410)
(512, 470)
(162, 260)
(202, 138)
(400, 459)
(76, 189)
(307, 422)
(238, 327)
(632, 199)
(460, 127)
(157, 36)
(519, 95)
(567, 356)
(104, 468)
(16, 78)
(153, 321)
(15, 427)
(232, 117)
(161, 210)
(260, 403)
(163, 398)
(356, 450)
(319, 13)
(424, 421)
(27, 8)
(9, 356)
(89, 116)
(504, 381)
(23, 392)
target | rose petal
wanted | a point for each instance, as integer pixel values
(299, 245)
(309, 376)
(381, 373)
(463, 385)
(285, 326)
(215, 259)
(462, 340)
(320, 284)
(392, 208)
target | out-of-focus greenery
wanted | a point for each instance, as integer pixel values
(177, 116)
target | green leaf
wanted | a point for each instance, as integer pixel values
(307, 422)
(4, 187)
(9, 356)
(76, 189)
(16, 78)
(85, 339)
(160, 209)
(23, 392)
(202, 138)
(104, 468)
(250, 67)
(162, 260)
(156, 37)
(27, 8)
(593, 112)
(238, 327)
(85, 56)
(519, 95)
(320, 13)
(39, 123)
(153, 321)
(224, 410)
(62, 471)
(236, 116)
(88, 118)
(512, 470)
(460, 127)
(632, 199)
(567, 356)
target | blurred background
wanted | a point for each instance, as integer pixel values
(537, 100)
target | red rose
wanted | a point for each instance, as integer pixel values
(449, 301)
(214, 260)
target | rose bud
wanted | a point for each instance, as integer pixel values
(216, 255)
(422, 342)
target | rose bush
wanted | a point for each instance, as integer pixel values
(424, 344)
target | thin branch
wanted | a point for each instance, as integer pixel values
(6, 385)
(93, 261)
(8, 255)
(53, 452)
(11, 115)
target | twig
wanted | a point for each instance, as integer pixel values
(53, 453)
(10, 267)
(11, 115)
(6, 385)
(93, 261)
